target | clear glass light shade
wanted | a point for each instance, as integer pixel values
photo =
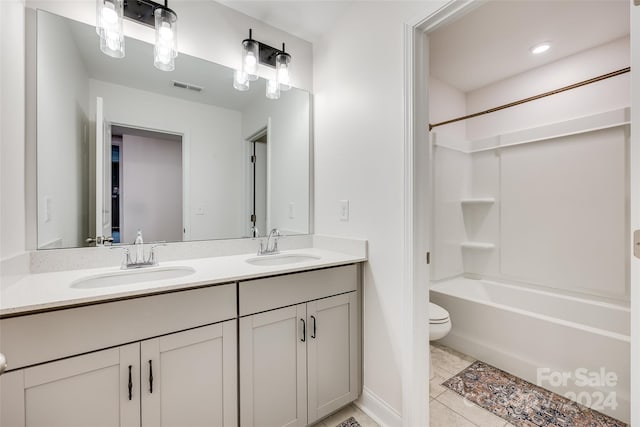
(282, 70)
(166, 48)
(273, 89)
(240, 80)
(250, 59)
(109, 27)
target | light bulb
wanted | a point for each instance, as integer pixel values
(240, 80)
(165, 32)
(273, 89)
(250, 62)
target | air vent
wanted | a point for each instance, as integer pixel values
(188, 86)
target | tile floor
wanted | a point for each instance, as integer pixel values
(343, 414)
(447, 408)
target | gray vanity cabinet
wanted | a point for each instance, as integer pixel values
(182, 379)
(88, 390)
(179, 367)
(300, 362)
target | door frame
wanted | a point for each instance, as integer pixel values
(417, 196)
(185, 145)
(258, 132)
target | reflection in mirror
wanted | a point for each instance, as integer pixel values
(181, 156)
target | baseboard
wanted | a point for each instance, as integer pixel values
(378, 410)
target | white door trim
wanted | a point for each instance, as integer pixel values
(634, 185)
(417, 197)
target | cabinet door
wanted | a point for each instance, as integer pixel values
(189, 379)
(96, 389)
(273, 371)
(332, 354)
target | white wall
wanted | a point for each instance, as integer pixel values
(558, 202)
(359, 130)
(289, 150)
(212, 146)
(206, 30)
(603, 96)
(151, 189)
(12, 131)
(63, 138)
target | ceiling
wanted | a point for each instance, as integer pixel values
(306, 19)
(489, 43)
(492, 42)
(136, 70)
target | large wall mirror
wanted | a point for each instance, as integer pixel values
(181, 155)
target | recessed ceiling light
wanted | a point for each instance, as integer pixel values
(540, 48)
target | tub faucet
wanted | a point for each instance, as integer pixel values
(272, 239)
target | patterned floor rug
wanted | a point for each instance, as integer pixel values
(349, 422)
(521, 403)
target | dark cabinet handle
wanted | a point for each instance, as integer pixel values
(304, 331)
(314, 327)
(130, 384)
(150, 377)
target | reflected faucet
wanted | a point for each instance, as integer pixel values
(254, 232)
(273, 240)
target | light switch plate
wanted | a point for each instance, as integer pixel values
(344, 210)
(636, 243)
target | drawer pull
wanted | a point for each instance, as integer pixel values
(130, 384)
(150, 377)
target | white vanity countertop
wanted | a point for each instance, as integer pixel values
(45, 291)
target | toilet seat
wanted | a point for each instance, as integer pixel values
(437, 314)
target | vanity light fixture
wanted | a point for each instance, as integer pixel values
(255, 53)
(110, 14)
(282, 69)
(540, 48)
(166, 48)
(109, 27)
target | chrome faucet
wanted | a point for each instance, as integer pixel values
(127, 263)
(254, 232)
(273, 239)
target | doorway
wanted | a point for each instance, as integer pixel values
(146, 185)
(477, 207)
(258, 182)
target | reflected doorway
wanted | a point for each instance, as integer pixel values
(146, 185)
(258, 183)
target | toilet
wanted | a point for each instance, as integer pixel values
(439, 327)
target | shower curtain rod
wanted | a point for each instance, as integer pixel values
(533, 98)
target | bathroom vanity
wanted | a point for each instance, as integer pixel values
(251, 345)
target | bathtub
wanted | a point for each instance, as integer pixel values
(565, 344)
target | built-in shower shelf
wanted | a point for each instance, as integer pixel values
(477, 245)
(478, 201)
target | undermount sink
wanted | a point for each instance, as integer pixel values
(129, 277)
(281, 259)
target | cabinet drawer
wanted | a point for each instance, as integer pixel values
(38, 338)
(274, 292)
